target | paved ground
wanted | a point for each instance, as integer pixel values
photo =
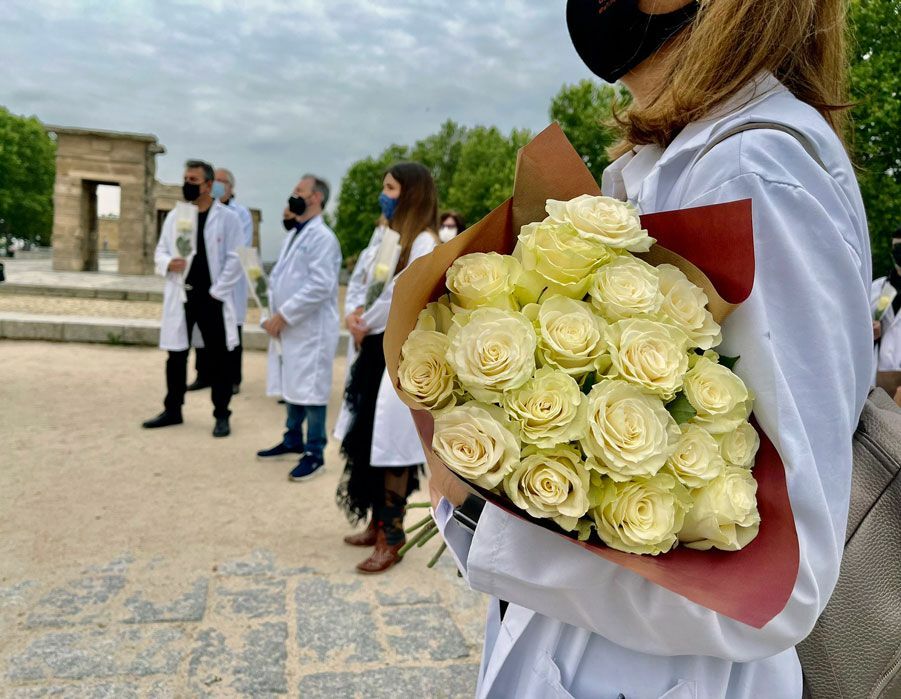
(39, 272)
(170, 564)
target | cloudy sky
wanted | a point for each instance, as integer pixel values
(275, 88)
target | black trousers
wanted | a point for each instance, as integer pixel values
(205, 312)
(234, 361)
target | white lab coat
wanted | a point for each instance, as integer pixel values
(222, 236)
(395, 441)
(304, 286)
(246, 241)
(888, 351)
(355, 296)
(805, 340)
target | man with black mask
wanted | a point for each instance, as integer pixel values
(199, 292)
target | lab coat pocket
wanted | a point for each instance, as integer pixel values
(550, 679)
(685, 689)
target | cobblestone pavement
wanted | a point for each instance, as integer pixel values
(165, 563)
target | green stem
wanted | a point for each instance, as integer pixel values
(411, 505)
(416, 526)
(415, 539)
(432, 531)
(431, 564)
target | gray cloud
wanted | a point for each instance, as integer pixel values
(271, 88)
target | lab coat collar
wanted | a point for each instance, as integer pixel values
(624, 178)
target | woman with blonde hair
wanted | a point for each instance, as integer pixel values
(382, 448)
(732, 99)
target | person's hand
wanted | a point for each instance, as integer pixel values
(877, 330)
(898, 396)
(275, 325)
(177, 264)
(357, 328)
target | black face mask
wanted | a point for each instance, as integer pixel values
(613, 36)
(289, 223)
(297, 206)
(190, 191)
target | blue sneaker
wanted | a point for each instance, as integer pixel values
(280, 452)
(308, 467)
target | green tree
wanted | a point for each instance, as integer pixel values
(876, 92)
(484, 173)
(440, 153)
(584, 111)
(27, 171)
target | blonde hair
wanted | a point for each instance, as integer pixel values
(802, 42)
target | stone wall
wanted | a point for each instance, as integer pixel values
(84, 159)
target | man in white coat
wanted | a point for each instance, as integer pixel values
(885, 304)
(199, 292)
(304, 302)
(224, 192)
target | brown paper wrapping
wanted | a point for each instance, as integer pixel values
(714, 246)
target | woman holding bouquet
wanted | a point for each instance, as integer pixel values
(381, 445)
(731, 100)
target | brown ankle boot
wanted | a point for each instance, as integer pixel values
(383, 557)
(363, 538)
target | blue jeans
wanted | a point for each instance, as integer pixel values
(316, 436)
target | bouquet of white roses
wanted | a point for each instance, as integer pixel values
(578, 381)
(560, 372)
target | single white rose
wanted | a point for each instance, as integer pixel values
(550, 483)
(724, 514)
(476, 441)
(483, 279)
(424, 373)
(686, 305)
(436, 316)
(556, 260)
(626, 287)
(571, 337)
(696, 460)
(721, 399)
(550, 409)
(643, 515)
(649, 354)
(630, 433)
(739, 446)
(493, 352)
(604, 220)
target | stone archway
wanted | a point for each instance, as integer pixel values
(86, 158)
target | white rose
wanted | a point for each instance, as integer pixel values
(550, 409)
(626, 287)
(437, 316)
(721, 399)
(483, 279)
(571, 337)
(641, 516)
(724, 514)
(476, 441)
(630, 433)
(556, 260)
(550, 483)
(493, 352)
(739, 446)
(424, 373)
(686, 305)
(696, 460)
(652, 355)
(603, 219)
